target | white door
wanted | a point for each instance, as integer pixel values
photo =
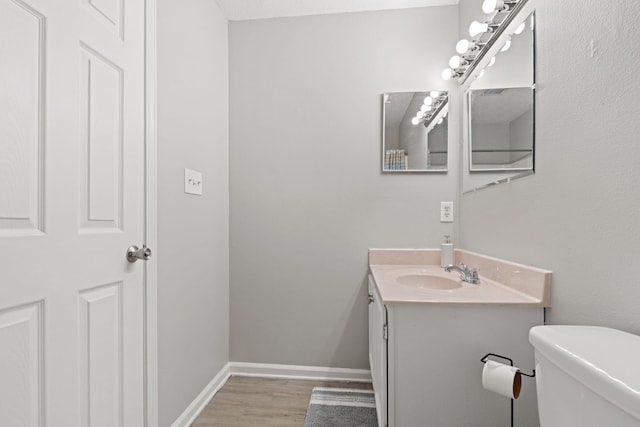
(71, 202)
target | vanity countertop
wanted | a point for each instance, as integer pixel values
(501, 282)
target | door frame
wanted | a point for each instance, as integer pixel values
(151, 209)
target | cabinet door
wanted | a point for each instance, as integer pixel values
(378, 351)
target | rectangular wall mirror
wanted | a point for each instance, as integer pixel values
(501, 129)
(415, 134)
(499, 111)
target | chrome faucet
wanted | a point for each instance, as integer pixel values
(467, 274)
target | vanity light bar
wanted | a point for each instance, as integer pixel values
(484, 36)
(430, 108)
(436, 114)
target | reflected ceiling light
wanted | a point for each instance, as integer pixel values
(415, 121)
(428, 100)
(424, 108)
(506, 46)
(489, 6)
(434, 93)
(440, 121)
(419, 114)
(493, 61)
(520, 28)
(481, 74)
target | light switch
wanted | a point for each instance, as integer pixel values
(192, 182)
(446, 211)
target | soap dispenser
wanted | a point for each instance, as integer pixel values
(446, 251)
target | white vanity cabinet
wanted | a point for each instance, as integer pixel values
(378, 350)
(426, 368)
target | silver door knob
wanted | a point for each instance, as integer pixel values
(135, 253)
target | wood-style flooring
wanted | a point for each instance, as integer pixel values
(263, 402)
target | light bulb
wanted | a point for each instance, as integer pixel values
(506, 46)
(434, 93)
(419, 114)
(490, 5)
(493, 61)
(463, 46)
(455, 61)
(520, 28)
(428, 100)
(415, 121)
(424, 108)
(447, 73)
(427, 107)
(477, 28)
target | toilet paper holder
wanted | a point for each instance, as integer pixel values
(531, 375)
(486, 357)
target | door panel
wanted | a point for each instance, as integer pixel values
(101, 104)
(22, 110)
(21, 355)
(100, 343)
(71, 203)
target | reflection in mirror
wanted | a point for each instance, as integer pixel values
(500, 111)
(501, 134)
(415, 131)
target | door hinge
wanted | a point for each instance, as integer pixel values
(385, 332)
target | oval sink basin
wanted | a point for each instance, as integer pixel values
(429, 281)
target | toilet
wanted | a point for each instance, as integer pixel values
(586, 376)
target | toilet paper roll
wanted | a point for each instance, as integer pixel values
(502, 379)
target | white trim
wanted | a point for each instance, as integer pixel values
(299, 372)
(201, 401)
(151, 209)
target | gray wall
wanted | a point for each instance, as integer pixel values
(192, 253)
(307, 195)
(579, 215)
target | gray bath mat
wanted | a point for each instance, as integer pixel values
(341, 407)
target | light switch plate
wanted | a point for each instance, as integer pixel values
(192, 182)
(446, 211)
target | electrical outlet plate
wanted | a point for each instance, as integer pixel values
(192, 182)
(446, 211)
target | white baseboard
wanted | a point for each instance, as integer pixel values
(268, 371)
(199, 403)
(299, 372)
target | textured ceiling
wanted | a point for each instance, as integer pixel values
(239, 10)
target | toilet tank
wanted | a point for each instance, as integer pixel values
(586, 376)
